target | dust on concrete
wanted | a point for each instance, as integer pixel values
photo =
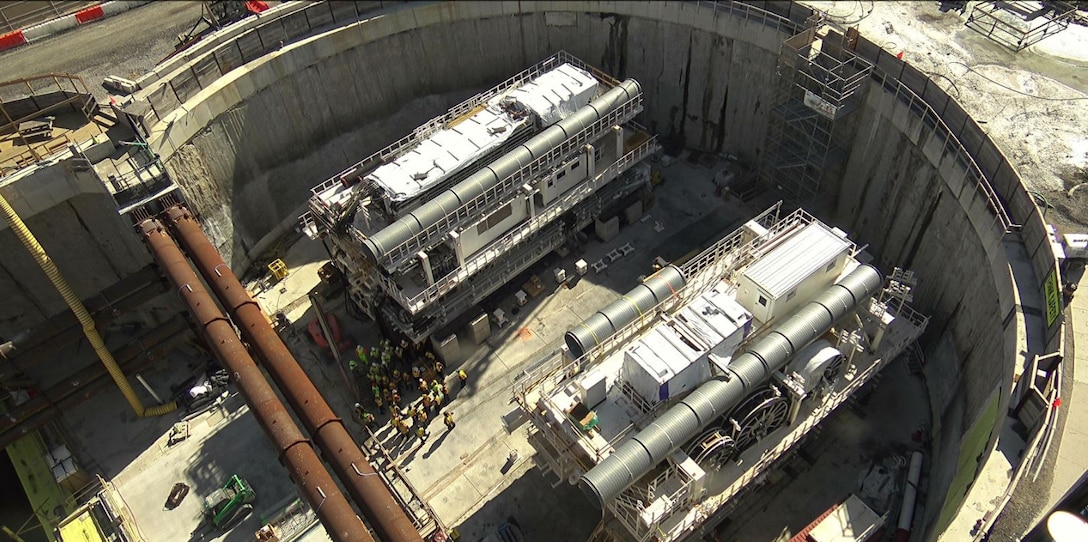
(128, 45)
(1033, 103)
(1067, 208)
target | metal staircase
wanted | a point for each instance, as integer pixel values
(421, 513)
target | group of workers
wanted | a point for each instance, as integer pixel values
(391, 372)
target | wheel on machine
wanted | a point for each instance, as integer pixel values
(760, 414)
(713, 449)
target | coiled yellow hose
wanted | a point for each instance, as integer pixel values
(85, 319)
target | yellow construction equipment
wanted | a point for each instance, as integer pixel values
(278, 269)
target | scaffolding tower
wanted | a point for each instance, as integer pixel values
(821, 83)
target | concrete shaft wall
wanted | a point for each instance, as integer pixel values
(248, 148)
(899, 195)
(68, 210)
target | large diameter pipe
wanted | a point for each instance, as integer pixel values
(30, 243)
(297, 455)
(910, 495)
(377, 505)
(715, 398)
(607, 321)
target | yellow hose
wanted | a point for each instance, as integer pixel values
(74, 303)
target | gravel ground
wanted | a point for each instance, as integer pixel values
(127, 45)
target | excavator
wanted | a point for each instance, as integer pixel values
(215, 15)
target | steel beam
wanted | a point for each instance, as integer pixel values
(86, 382)
(123, 296)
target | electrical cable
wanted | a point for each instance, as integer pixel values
(842, 19)
(946, 78)
(1010, 89)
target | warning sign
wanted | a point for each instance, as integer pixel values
(1053, 297)
(821, 105)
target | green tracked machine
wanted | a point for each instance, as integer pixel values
(230, 504)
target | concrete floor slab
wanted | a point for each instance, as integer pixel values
(204, 462)
(877, 432)
(303, 260)
(1071, 460)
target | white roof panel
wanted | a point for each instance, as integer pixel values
(557, 93)
(651, 364)
(708, 333)
(721, 312)
(684, 355)
(796, 259)
(551, 96)
(444, 153)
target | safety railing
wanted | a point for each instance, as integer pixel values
(309, 225)
(120, 509)
(481, 285)
(420, 513)
(430, 127)
(16, 16)
(552, 373)
(639, 401)
(748, 12)
(494, 196)
(1055, 19)
(950, 140)
(554, 368)
(271, 35)
(501, 247)
(395, 149)
(907, 312)
(628, 510)
(952, 145)
(643, 523)
(525, 76)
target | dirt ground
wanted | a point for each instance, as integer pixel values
(1033, 103)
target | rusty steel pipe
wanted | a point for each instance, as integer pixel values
(296, 453)
(377, 505)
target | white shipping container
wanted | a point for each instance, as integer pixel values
(658, 370)
(699, 327)
(793, 272)
(738, 315)
(1076, 246)
(689, 369)
(645, 372)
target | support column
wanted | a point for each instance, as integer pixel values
(591, 162)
